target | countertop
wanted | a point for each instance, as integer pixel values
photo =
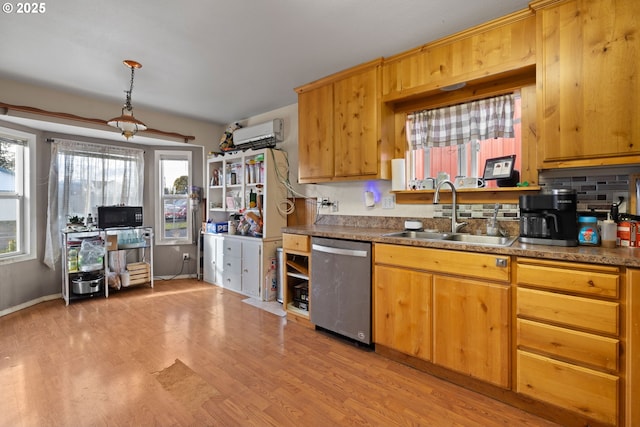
(621, 256)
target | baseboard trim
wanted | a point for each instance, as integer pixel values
(29, 304)
(181, 276)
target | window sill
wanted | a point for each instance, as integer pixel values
(466, 195)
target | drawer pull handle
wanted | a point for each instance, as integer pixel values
(591, 284)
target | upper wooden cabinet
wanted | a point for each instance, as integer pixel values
(339, 127)
(587, 81)
(499, 47)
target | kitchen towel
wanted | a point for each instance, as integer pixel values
(398, 180)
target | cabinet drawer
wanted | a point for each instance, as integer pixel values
(592, 393)
(296, 242)
(574, 345)
(591, 314)
(589, 282)
(484, 266)
(232, 247)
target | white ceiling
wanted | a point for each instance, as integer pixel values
(214, 60)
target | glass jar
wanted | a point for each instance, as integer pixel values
(588, 231)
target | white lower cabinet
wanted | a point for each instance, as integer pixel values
(251, 267)
(210, 244)
(241, 264)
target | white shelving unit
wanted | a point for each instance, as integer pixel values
(237, 182)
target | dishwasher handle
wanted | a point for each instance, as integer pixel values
(339, 251)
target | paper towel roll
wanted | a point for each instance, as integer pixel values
(398, 175)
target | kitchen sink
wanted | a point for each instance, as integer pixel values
(467, 239)
(423, 235)
(475, 239)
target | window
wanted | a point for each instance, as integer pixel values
(17, 204)
(173, 208)
(83, 176)
(456, 155)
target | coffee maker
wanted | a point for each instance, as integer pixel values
(549, 218)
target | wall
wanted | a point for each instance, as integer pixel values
(25, 283)
(349, 195)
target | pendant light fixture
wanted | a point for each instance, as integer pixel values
(128, 124)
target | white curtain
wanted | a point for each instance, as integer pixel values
(459, 124)
(83, 176)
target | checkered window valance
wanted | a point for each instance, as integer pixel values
(458, 124)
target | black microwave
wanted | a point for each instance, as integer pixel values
(119, 216)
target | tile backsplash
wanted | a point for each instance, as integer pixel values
(477, 211)
(596, 190)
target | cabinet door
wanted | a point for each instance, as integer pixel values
(209, 261)
(402, 310)
(471, 328)
(589, 90)
(356, 124)
(315, 134)
(251, 268)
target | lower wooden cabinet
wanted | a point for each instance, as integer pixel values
(296, 250)
(589, 392)
(425, 309)
(402, 310)
(471, 328)
(569, 337)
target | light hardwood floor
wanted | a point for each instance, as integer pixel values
(102, 362)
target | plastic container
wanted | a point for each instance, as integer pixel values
(588, 231)
(608, 233)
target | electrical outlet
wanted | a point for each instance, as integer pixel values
(185, 256)
(334, 206)
(389, 202)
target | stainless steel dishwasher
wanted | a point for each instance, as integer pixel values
(341, 287)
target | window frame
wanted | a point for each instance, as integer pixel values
(467, 154)
(159, 156)
(26, 227)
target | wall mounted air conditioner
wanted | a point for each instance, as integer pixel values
(259, 136)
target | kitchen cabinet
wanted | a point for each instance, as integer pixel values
(503, 47)
(251, 268)
(315, 134)
(471, 322)
(339, 127)
(402, 310)
(210, 250)
(588, 63)
(241, 264)
(296, 251)
(569, 336)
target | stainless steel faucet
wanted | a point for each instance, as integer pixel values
(455, 225)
